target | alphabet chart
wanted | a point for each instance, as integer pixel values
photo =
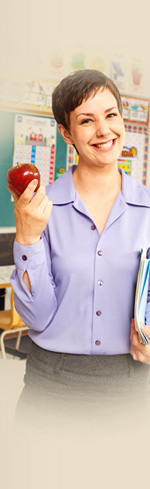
(35, 142)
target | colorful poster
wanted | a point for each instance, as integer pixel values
(96, 60)
(136, 76)
(77, 59)
(33, 96)
(134, 156)
(135, 109)
(35, 142)
(72, 157)
(56, 66)
(118, 71)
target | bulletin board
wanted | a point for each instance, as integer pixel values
(7, 124)
(135, 109)
(134, 156)
(32, 96)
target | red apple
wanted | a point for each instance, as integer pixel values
(20, 175)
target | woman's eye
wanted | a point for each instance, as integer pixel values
(112, 114)
(86, 121)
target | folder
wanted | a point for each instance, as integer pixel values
(141, 294)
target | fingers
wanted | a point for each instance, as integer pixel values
(32, 212)
(43, 209)
(39, 196)
(141, 355)
(139, 352)
(13, 193)
(39, 206)
(26, 196)
(146, 330)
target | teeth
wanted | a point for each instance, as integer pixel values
(105, 145)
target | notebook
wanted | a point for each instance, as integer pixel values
(141, 294)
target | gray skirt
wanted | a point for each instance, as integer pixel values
(57, 383)
(79, 376)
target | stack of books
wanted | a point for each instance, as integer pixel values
(141, 294)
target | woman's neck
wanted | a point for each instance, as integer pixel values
(92, 180)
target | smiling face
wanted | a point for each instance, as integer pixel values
(96, 130)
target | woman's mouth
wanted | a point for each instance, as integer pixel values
(105, 145)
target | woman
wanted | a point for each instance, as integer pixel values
(77, 253)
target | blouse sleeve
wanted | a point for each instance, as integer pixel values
(38, 307)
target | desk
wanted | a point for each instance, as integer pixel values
(5, 273)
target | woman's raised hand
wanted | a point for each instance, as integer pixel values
(32, 213)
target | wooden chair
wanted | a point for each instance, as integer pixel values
(12, 326)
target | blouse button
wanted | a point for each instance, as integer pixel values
(93, 227)
(100, 252)
(97, 342)
(24, 257)
(98, 313)
(100, 282)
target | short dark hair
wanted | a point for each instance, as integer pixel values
(75, 88)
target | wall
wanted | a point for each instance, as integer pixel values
(32, 36)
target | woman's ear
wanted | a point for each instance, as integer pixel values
(65, 134)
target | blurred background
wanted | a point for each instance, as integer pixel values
(51, 38)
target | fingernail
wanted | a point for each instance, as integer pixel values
(34, 182)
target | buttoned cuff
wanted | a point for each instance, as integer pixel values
(29, 257)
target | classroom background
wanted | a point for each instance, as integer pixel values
(40, 43)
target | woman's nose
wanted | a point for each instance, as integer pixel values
(102, 128)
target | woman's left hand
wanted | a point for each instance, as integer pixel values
(139, 352)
